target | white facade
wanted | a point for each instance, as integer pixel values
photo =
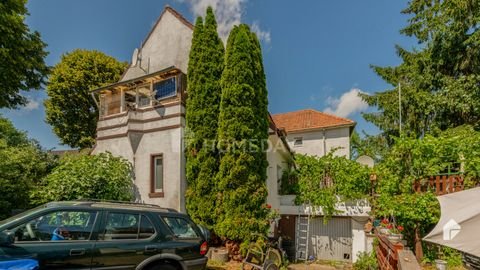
(153, 131)
(168, 44)
(278, 158)
(144, 134)
(320, 142)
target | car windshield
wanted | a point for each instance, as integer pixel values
(21, 215)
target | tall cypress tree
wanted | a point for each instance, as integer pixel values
(243, 128)
(204, 72)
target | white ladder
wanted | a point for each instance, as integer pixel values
(302, 235)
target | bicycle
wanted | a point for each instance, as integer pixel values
(267, 256)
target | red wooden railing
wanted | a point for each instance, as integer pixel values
(387, 253)
(441, 184)
(393, 256)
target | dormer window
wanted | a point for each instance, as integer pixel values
(298, 141)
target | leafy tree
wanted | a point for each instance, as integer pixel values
(243, 129)
(439, 81)
(412, 160)
(69, 108)
(22, 55)
(370, 145)
(101, 176)
(22, 164)
(323, 182)
(204, 72)
(440, 91)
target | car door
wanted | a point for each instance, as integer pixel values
(186, 238)
(125, 240)
(59, 239)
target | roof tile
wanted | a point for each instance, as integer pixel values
(309, 119)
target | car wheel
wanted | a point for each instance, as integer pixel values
(162, 266)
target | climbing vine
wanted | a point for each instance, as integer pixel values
(326, 181)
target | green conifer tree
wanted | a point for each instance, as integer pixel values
(204, 72)
(243, 130)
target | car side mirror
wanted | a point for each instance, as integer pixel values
(7, 238)
(205, 232)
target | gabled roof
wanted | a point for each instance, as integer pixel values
(167, 44)
(309, 119)
(174, 13)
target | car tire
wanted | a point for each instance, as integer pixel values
(162, 266)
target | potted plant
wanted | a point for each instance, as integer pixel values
(383, 229)
(395, 232)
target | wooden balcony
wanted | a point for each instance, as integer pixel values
(441, 184)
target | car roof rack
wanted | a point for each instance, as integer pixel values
(139, 204)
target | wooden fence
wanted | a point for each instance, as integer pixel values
(440, 184)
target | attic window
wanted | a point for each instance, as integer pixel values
(297, 141)
(166, 88)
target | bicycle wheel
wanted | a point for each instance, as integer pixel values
(269, 265)
(255, 253)
(274, 256)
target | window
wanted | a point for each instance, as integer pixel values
(157, 174)
(279, 179)
(180, 227)
(146, 228)
(297, 141)
(126, 226)
(57, 226)
(166, 88)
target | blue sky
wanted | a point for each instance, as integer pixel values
(317, 54)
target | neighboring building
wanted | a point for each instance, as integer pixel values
(316, 133)
(142, 118)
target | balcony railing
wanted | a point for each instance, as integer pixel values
(139, 96)
(440, 184)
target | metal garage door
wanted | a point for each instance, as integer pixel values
(331, 241)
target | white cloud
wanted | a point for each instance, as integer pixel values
(228, 13)
(32, 104)
(348, 104)
(262, 35)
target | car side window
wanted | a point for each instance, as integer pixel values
(127, 226)
(181, 227)
(57, 226)
(146, 228)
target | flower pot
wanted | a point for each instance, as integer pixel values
(383, 230)
(441, 264)
(395, 237)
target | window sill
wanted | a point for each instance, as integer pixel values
(156, 195)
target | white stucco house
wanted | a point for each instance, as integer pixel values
(315, 133)
(142, 118)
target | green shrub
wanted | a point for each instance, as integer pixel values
(101, 176)
(366, 261)
(433, 252)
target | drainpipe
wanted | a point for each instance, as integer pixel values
(324, 143)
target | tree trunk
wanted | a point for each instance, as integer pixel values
(418, 244)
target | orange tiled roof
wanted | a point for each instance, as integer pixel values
(309, 119)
